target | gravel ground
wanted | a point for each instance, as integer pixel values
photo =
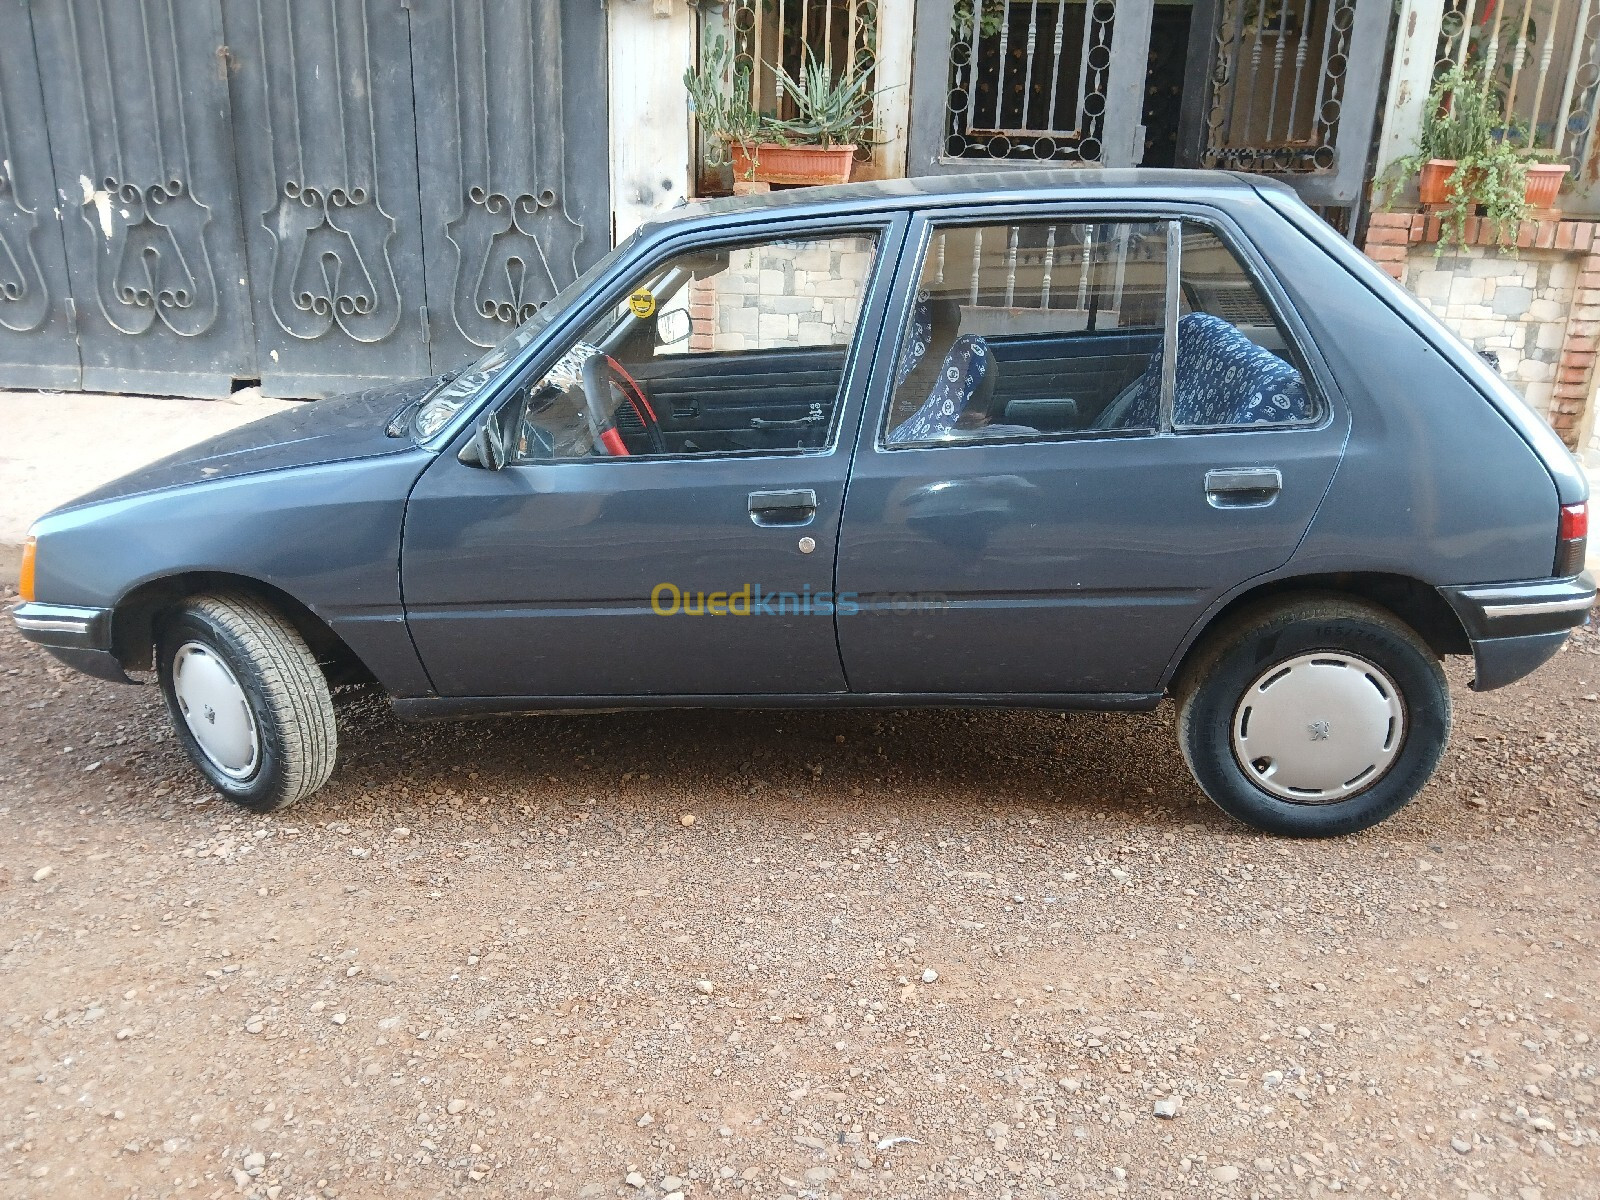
(814, 955)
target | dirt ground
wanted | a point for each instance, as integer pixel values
(806, 955)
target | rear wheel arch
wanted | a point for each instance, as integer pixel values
(1416, 604)
(136, 619)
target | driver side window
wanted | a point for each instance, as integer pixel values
(726, 349)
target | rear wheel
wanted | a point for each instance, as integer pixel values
(1314, 717)
(248, 701)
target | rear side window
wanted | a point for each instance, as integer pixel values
(1030, 330)
(1050, 329)
(1236, 365)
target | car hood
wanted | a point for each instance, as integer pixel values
(337, 429)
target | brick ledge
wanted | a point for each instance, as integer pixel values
(1536, 233)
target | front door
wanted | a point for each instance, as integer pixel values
(667, 523)
(1042, 506)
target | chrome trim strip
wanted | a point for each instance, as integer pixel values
(78, 625)
(1572, 604)
(69, 626)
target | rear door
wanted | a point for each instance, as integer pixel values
(1063, 529)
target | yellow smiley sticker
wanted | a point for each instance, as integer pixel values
(642, 303)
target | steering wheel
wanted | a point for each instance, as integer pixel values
(603, 375)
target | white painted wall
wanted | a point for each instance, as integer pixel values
(896, 19)
(651, 43)
(1410, 76)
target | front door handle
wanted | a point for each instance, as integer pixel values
(1243, 487)
(797, 506)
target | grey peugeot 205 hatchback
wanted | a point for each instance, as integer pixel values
(1071, 440)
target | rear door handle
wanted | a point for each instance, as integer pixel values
(793, 507)
(1243, 487)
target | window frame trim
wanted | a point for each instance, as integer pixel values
(915, 255)
(927, 221)
(1168, 400)
(1312, 370)
(889, 228)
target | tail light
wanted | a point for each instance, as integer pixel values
(1572, 539)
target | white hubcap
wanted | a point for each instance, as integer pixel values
(1319, 727)
(216, 710)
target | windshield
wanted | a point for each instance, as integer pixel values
(443, 404)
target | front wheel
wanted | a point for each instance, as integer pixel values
(248, 701)
(1314, 717)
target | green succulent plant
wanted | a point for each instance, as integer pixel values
(720, 98)
(828, 111)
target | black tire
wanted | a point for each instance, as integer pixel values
(294, 743)
(1236, 656)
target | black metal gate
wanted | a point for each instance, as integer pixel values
(38, 334)
(313, 193)
(1286, 88)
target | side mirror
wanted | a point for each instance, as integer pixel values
(491, 443)
(672, 327)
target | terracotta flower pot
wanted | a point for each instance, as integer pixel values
(1434, 182)
(793, 164)
(1544, 181)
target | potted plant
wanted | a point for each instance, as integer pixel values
(817, 145)
(1544, 183)
(1470, 159)
(720, 98)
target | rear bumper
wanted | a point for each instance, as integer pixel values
(79, 637)
(1515, 628)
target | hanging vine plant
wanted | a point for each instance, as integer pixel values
(990, 15)
(1471, 159)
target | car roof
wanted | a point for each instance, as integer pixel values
(988, 187)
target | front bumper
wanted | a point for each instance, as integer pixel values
(79, 637)
(1515, 628)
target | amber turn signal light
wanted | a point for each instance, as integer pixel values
(25, 578)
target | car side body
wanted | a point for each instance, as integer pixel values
(1081, 571)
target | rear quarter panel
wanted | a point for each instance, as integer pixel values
(1435, 483)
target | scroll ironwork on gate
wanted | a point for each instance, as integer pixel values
(1278, 74)
(1048, 103)
(317, 196)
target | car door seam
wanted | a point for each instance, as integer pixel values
(400, 572)
(900, 228)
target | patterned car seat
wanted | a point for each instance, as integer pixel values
(1223, 379)
(964, 375)
(916, 347)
